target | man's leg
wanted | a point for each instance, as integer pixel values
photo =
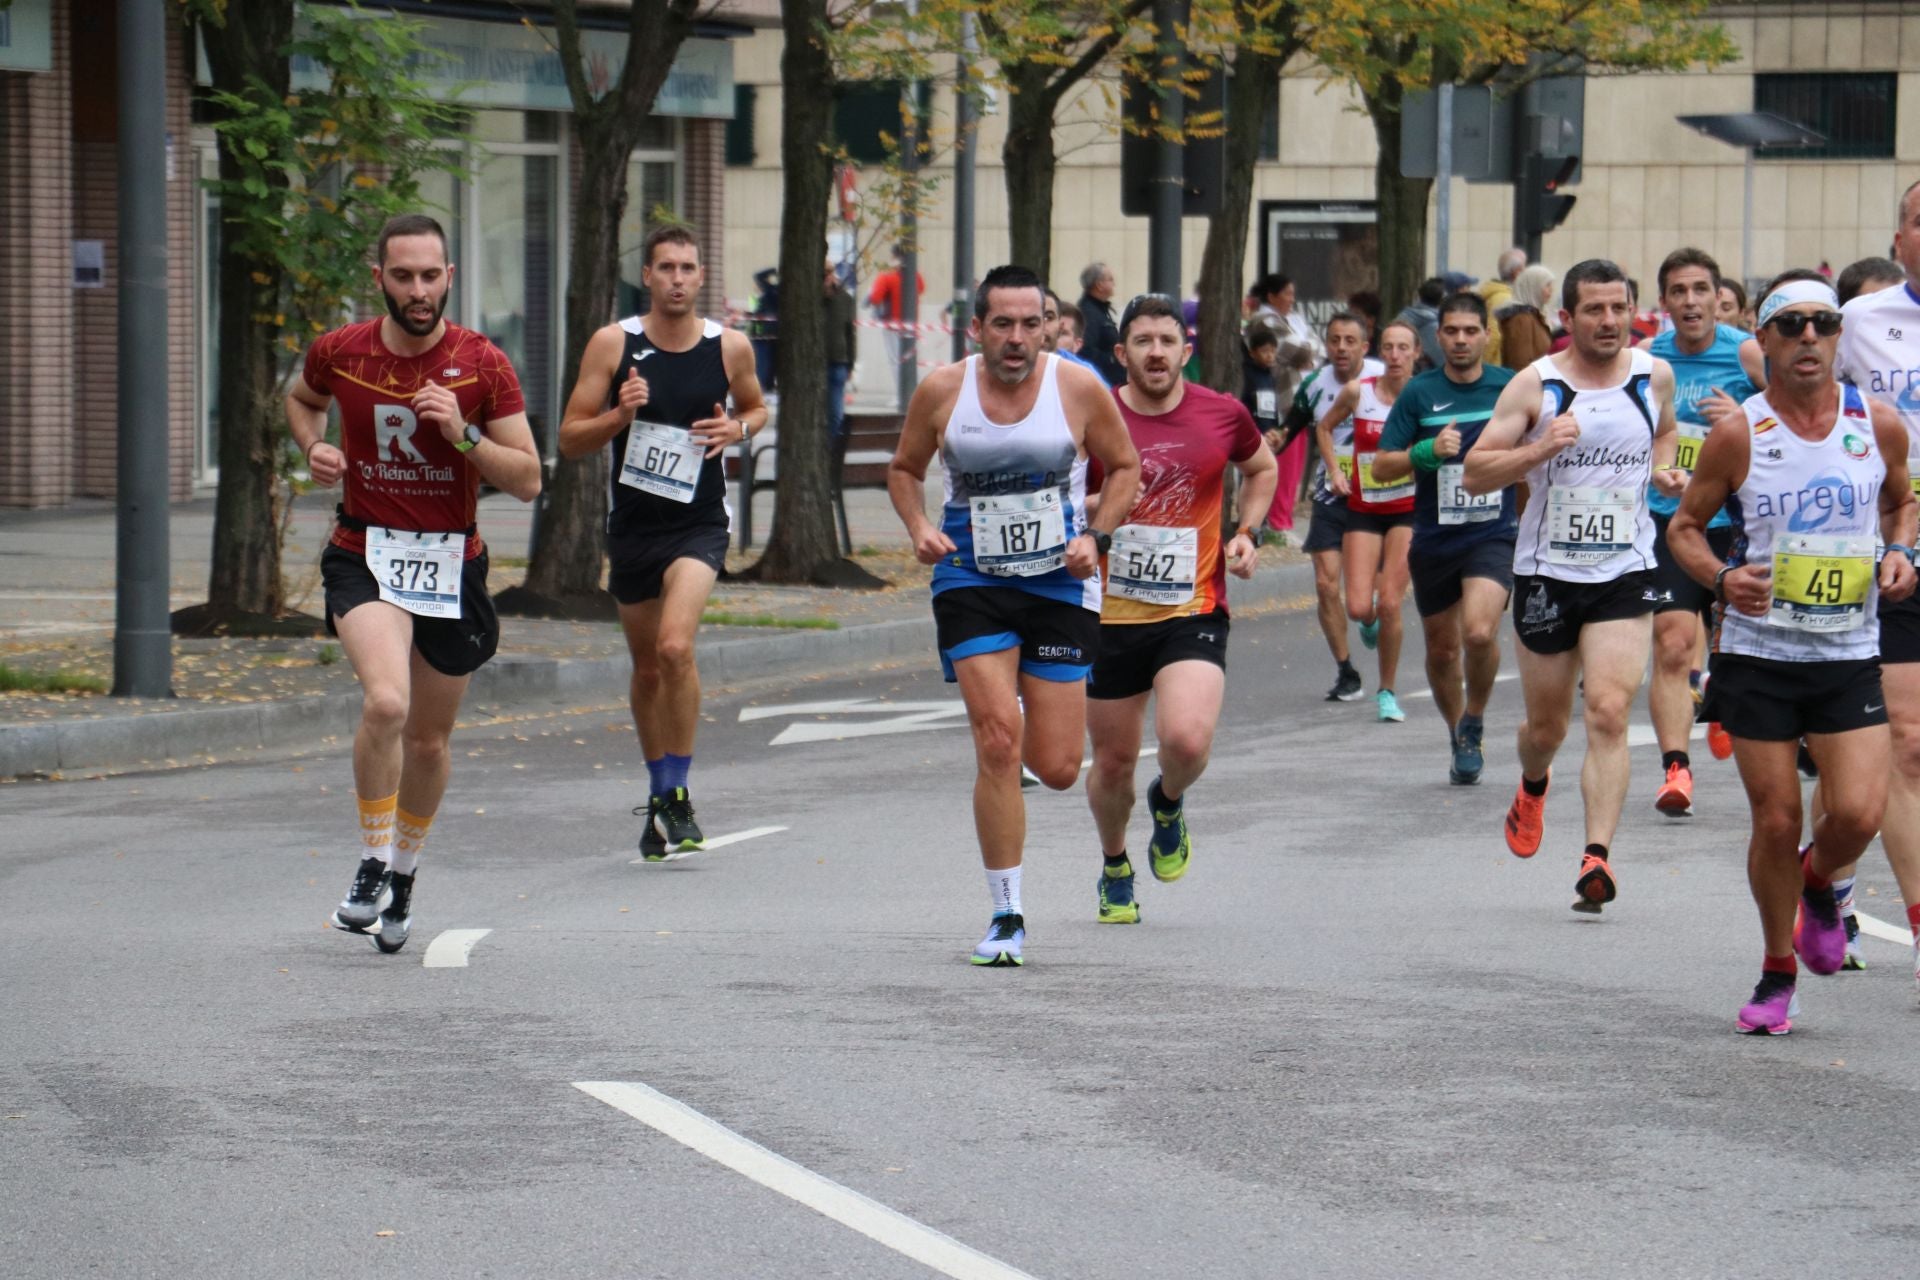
(378, 639)
(1483, 602)
(1186, 711)
(1774, 875)
(1900, 828)
(1547, 682)
(990, 687)
(1333, 612)
(1444, 676)
(1670, 694)
(425, 763)
(1613, 655)
(1392, 588)
(1116, 726)
(665, 698)
(1360, 556)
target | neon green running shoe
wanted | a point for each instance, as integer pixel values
(1117, 905)
(1171, 847)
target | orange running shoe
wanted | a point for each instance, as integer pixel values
(1676, 794)
(1719, 741)
(1595, 886)
(1524, 825)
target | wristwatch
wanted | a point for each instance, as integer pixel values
(1251, 533)
(744, 432)
(1720, 583)
(474, 436)
(1101, 541)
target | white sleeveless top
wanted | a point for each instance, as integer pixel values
(1587, 518)
(994, 473)
(1810, 510)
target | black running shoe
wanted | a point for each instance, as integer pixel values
(396, 922)
(1348, 688)
(361, 907)
(673, 820)
(653, 845)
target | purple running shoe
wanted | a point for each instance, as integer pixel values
(1819, 935)
(1770, 1012)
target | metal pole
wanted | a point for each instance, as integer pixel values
(966, 118)
(1746, 226)
(1169, 154)
(142, 637)
(909, 348)
(1443, 180)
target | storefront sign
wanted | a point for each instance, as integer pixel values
(510, 65)
(26, 37)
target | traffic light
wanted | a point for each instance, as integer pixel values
(1543, 207)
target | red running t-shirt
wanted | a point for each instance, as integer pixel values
(1183, 463)
(401, 473)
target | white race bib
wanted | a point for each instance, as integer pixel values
(662, 460)
(1820, 584)
(1457, 506)
(1153, 564)
(1019, 535)
(1263, 405)
(1589, 525)
(420, 572)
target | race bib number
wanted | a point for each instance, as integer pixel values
(1457, 506)
(420, 572)
(1019, 535)
(1372, 490)
(1153, 565)
(661, 460)
(1913, 469)
(1263, 405)
(1820, 584)
(1686, 455)
(1589, 526)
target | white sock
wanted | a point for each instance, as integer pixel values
(1005, 888)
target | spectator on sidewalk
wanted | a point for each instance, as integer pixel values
(1277, 311)
(838, 311)
(888, 304)
(1099, 334)
(1522, 325)
(764, 324)
(1498, 293)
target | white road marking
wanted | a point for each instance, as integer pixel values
(449, 950)
(1882, 930)
(869, 1217)
(901, 717)
(872, 706)
(721, 842)
(1502, 678)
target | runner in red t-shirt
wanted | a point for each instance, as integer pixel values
(427, 410)
(1380, 513)
(1163, 619)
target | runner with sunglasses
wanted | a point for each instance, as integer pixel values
(1588, 430)
(1879, 353)
(1813, 474)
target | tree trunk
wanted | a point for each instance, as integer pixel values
(1250, 96)
(244, 587)
(1029, 160)
(563, 575)
(1402, 206)
(804, 545)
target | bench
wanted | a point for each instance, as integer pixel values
(860, 460)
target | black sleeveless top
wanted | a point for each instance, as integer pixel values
(682, 388)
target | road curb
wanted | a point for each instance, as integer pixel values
(159, 736)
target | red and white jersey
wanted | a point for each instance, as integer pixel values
(1384, 498)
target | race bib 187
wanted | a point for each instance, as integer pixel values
(1019, 535)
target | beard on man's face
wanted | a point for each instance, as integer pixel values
(413, 326)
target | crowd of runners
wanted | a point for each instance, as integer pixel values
(1636, 504)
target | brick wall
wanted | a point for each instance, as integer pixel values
(36, 273)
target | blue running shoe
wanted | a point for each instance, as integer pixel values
(1117, 905)
(1467, 757)
(1390, 711)
(1001, 946)
(1370, 634)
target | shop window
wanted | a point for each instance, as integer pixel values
(1856, 111)
(1270, 130)
(740, 128)
(866, 114)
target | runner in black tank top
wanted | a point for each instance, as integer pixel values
(653, 391)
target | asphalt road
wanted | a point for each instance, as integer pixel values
(1358, 1039)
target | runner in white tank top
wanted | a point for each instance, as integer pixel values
(1814, 477)
(1587, 429)
(1016, 603)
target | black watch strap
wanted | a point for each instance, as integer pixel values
(1101, 541)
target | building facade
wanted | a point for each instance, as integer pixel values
(507, 220)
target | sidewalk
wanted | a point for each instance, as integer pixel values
(239, 695)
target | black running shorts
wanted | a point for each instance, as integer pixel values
(1328, 526)
(637, 562)
(452, 646)
(1375, 522)
(1548, 613)
(1438, 573)
(1900, 630)
(1056, 640)
(1678, 589)
(1132, 654)
(1763, 700)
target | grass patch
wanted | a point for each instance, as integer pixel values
(328, 655)
(768, 620)
(508, 562)
(14, 680)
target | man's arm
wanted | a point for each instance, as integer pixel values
(1721, 469)
(1498, 458)
(1667, 478)
(1106, 438)
(1338, 412)
(907, 473)
(585, 425)
(749, 414)
(307, 423)
(1754, 363)
(1259, 477)
(507, 457)
(1899, 516)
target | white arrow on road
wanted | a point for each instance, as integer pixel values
(901, 717)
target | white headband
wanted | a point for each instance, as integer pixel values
(1798, 291)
